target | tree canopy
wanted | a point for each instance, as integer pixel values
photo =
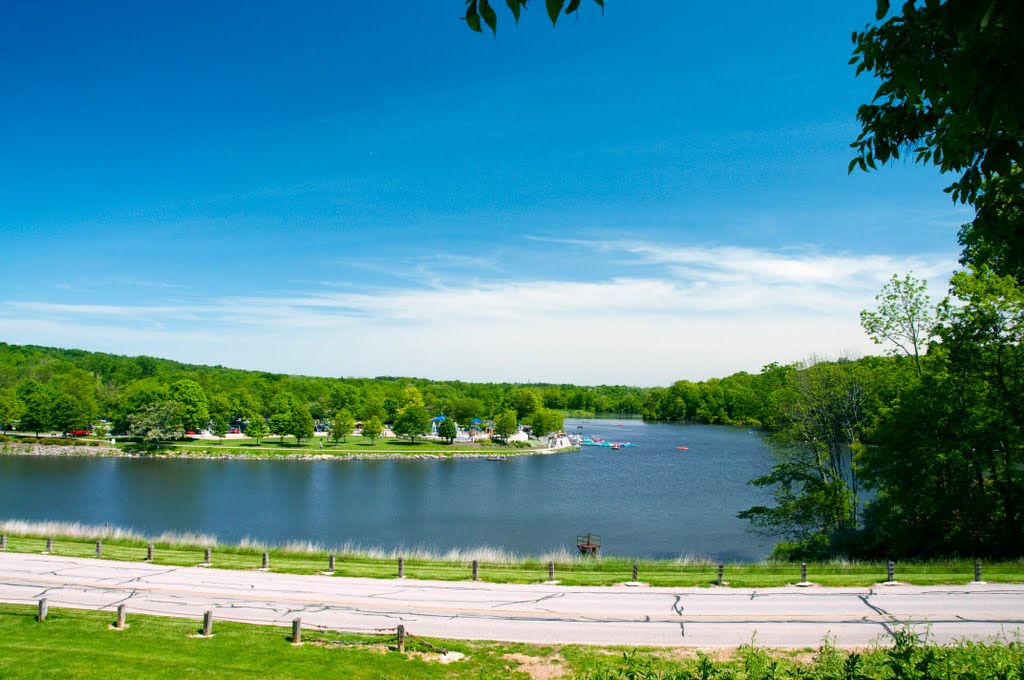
(952, 95)
(480, 13)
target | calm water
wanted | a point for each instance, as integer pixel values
(648, 501)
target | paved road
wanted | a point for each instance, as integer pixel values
(705, 617)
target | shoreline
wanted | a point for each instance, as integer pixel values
(85, 451)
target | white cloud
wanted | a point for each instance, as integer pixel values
(684, 312)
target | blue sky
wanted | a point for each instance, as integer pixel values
(362, 189)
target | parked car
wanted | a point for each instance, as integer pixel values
(235, 430)
(80, 433)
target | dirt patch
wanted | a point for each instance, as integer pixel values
(539, 667)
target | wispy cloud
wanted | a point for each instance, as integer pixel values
(681, 312)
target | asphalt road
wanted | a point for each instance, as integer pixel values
(625, 615)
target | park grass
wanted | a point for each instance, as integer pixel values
(494, 565)
(82, 644)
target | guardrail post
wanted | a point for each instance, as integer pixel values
(208, 624)
(721, 573)
(206, 557)
(476, 570)
(43, 607)
(401, 638)
(296, 631)
(551, 571)
(120, 617)
(330, 564)
(149, 552)
(401, 567)
(636, 571)
(890, 572)
(266, 561)
(99, 548)
(49, 545)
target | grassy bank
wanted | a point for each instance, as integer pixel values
(288, 446)
(494, 565)
(81, 644)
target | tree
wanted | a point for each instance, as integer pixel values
(815, 480)
(505, 424)
(467, 408)
(905, 318)
(525, 401)
(948, 464)
(36, 402)
(446, 429)
(545, 421)
(68, 413)
(373, 428)
(413, 422)
(220, 427)
(478, 11)
(342, 425)
(10, 409)
(951, 93)
(279, 424)
(156, 422)
(300, 423)
(257, 428)
(411, 396)
(195, 412)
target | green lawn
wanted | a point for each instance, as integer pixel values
(82, 644)
(602, 571)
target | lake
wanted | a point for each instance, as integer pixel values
(649, 501)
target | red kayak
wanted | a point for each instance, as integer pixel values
(682, 448)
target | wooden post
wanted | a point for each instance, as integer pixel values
(890, 572)
(803, 572)
(49, 545)
(401, 638)
(636, 571)
(977, 570)
(721, 572)
(266, 561)
(296, 631)
(43, 606)
(401, 567)
(330, 564)
(207, 624)
(99, 548)
(476, 570)
(206, 557)
(149, 552)
(3, 542)
(120, 617)
(551, 571)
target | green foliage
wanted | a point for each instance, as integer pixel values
(257, 429)
(220, 427)
(36, 402)
(905, 318)
(300, 423)
(280, 424)
(505, 424)
(189, 394)
(546, 421)
(413, 422)
(951, 93)
(10, 408)
(447, 429)
(373, 428)
(480, 12)
(68, 413)
(342, 425)
(157, 422)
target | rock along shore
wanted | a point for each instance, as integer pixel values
(32, 449)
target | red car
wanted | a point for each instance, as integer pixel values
(235, 430)
(80, 433)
